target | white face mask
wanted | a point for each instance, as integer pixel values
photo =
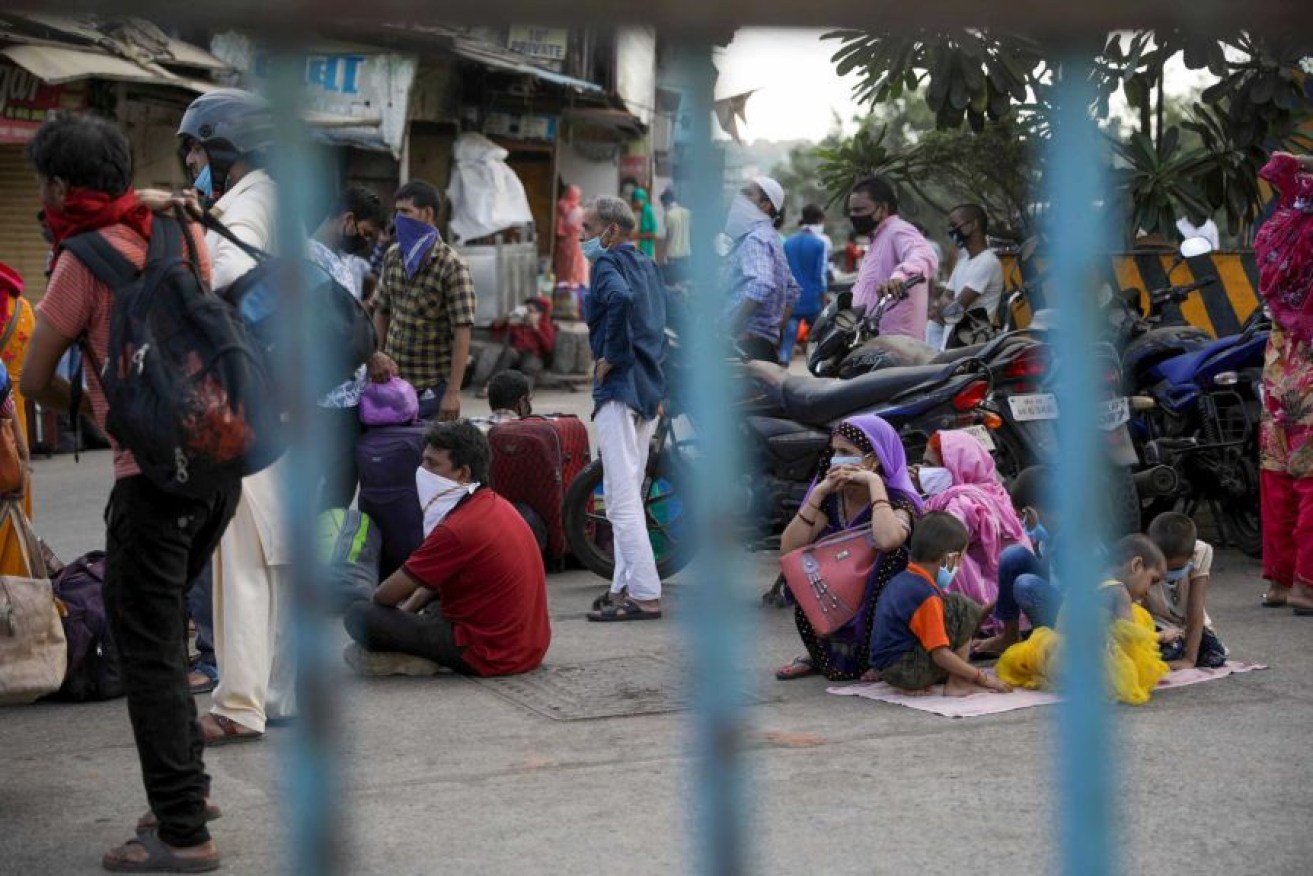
(934, 480)
(743, 217)
(438, 496)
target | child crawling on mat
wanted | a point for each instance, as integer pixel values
(921, 634)
(1133, 664)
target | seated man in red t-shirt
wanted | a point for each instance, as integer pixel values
(479, 566)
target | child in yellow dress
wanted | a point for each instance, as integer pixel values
(1133, 664)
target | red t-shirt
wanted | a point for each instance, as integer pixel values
(483, 560)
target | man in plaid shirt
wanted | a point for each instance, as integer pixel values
(424, 306)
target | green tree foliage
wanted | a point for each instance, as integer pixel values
(1197, 166)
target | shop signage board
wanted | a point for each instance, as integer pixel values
(26, 101)
(540, 43)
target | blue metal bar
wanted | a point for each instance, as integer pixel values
(712, 612)
(1078, 238)
(310, 755)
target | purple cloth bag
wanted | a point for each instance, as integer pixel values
(393, 403)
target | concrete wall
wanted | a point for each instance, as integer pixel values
(593, 177)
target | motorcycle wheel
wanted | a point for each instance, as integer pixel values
(1242, 520)
(669, 528)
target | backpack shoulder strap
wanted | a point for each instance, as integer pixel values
(102, 259)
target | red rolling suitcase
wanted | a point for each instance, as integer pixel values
(533, 461)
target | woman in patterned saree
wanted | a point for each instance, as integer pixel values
(862, 481)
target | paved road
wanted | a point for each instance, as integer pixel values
(443, 776)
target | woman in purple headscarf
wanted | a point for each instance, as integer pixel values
(862, 481)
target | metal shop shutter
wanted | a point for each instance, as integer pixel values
(21, 243)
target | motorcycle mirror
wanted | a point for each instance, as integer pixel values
(1193, 247)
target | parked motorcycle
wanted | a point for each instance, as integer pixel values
(1198, 404)
(845, 340)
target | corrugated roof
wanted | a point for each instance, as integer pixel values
(57, 65)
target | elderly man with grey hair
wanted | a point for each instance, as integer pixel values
(626, 309)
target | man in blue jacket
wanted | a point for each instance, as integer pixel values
(808, 253)
(626, 309)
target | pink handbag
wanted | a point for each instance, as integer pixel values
(828, 579)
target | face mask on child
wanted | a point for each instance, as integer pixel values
(1175, 576)
(944, 577)
(934, 480)
(838, 461)
(438, 496)
(1037, 532)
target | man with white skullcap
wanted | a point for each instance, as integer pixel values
(762, 290)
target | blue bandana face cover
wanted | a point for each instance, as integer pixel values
(416, 240)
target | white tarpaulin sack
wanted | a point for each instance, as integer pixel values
(486, 196)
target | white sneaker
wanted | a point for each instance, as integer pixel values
(379, 663)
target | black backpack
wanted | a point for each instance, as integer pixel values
(346, 336)
(93, 661)
(187, 392)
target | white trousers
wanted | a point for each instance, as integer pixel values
(252, 635)
(623, 440)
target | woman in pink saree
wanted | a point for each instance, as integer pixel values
(960, 477)
(570, 265)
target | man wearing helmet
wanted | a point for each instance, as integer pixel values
(224, 141)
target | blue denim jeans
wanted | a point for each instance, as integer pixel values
(791, 335)
(200, 605)
(1023, 586)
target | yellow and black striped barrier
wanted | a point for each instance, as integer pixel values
(1220, 309)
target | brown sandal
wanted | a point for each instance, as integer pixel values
(219, 730)
(160, 858)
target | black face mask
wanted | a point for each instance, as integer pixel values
(863, 224)
(355, 244)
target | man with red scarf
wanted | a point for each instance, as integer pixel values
(156, 541)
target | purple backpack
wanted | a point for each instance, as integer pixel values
(93, 661)
(394, 403)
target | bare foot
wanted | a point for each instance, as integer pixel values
(960, 687)
(870, 676)
(1276, 595)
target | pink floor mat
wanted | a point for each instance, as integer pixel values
(993, 704)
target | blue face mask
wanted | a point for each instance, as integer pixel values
(1038, 535)
(944, 577)
(593, 248)
(205, 182)
(1175, 576)
(837, 461)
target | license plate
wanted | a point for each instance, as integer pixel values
(1113, 413)
(981, 434)
(1039, 406)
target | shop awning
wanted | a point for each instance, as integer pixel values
(57, 65)
(489, 56)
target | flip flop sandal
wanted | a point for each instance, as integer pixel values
(159, 858)
(602, 601)
(201, 687)
(1302, 610)
(150, 822)
(622, 610)
(1272, 603)
(801, 667)
(229, 731)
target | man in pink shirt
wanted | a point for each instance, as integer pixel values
(897, 251)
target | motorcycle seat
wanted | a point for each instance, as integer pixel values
(957, 355)
(819, 401)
